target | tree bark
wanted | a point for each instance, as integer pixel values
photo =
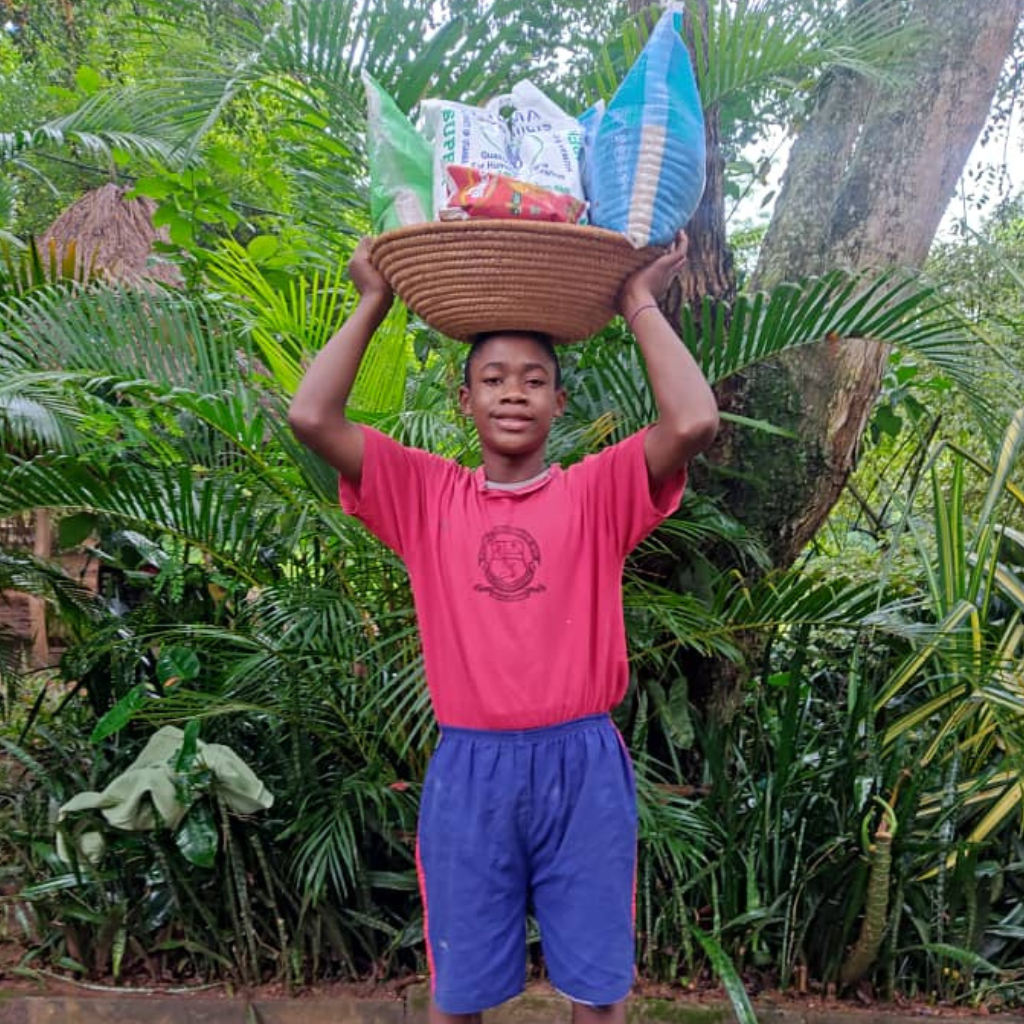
(42, 547)
(868, 181)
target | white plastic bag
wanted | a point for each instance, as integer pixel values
(465, 135)
(537, 143)
(546, 142)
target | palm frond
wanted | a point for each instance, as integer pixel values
(121, 333)
(608, 390)
(753, 48)
(76, 604)
(25, 267)
(35, 416)
(754, 45)
(890, 308)
(116, 119)
(285, 321)
(228, 523)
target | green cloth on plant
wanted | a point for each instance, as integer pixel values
(146, 795)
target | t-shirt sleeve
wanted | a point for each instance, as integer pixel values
(619, 487)
(392, 496)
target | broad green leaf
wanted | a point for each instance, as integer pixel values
(262, 247)
(88, 80)
(120, 714)
(73, 529)
(177, 665)
(197, 837)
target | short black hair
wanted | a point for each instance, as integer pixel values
(478, 341)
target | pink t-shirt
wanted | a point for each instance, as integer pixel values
(518, 593)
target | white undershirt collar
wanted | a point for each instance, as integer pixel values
(516, 485)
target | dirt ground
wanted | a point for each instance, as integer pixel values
(18, 981)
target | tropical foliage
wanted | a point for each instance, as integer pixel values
(856, 818)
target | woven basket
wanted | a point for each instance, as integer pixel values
(471, 276)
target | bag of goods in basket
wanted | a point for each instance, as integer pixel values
(545, 141)
(643, 165)
(473, 193)
(537, 143)
(401, 189)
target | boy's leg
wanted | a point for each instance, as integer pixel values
(438, 1016)
(614, 1014)
(584, 868)
(473, 875)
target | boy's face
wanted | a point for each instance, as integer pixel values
(512, 395)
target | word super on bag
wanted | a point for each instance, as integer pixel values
(645, 151)
(537, 143)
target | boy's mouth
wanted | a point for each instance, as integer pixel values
(507, 422)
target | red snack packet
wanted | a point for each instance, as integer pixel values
(478, 194)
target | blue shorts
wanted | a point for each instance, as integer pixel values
(542, 819)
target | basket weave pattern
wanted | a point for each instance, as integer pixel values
(468, 277)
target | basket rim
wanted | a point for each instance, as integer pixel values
(561, 279)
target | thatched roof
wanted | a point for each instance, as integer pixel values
(112, 236)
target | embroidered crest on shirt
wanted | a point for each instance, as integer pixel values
(509, 558)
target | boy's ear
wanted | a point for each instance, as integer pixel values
(465, 405)
(561, 398)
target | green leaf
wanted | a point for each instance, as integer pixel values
(177, 665)
(155, 188)
(181, 231)
(196, 836)
(88, 80)
(222, 156)
(415, 76)
(75, 528)
(726, 970)
(757, 424)
(212, 211)
(887, 422)
(262, 247)
(120, 714)
(963, 956)
(189, 747)
(678, 723)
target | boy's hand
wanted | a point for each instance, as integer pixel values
(649, 284)
(369, 281)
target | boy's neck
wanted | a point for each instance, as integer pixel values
(504, 469)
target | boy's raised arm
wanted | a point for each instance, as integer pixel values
(317, 412)
(687, 410)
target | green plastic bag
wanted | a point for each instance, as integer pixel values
(401, 176)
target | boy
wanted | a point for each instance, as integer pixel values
(516, 570)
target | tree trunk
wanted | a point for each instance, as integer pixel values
(42, 547)
(868, 181)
